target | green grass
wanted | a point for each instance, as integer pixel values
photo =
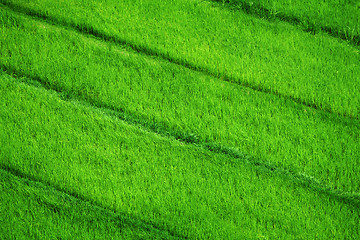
(184, 104)
(32, 210)
(178, 189)
(340, 18)
(271, 56)
(180, 119)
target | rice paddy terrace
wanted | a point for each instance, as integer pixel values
(179, 119)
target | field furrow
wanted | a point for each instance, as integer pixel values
(32, 210)
(274, 57)
(179, 119)
(180, 188)
(340, 19)
(184, 104)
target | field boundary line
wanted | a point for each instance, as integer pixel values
(189, 138)
(125, 218)
(258, 11)
(89, 31)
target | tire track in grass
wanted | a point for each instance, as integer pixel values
(121, 221)
(261, 12)
(88, 30)
(238, 157)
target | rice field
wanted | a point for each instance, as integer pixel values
(179, 119)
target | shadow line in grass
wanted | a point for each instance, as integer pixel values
(236, 156)
(300, 179)
(258, 11)
(90, 31)
(122, 220)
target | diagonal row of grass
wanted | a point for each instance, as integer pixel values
(338, 18)
(31, 210)
(300, 178)
(179, 188)
(276, 57)
(182, 103)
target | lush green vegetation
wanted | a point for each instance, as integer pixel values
(275, 57)
(179, 189)
(340, 18)
(179, 119)
(183, 103)
(31, 210)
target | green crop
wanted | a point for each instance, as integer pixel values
(339, 18)
(32, 210)
(274, 57)
(185, 104)
(179, 119)
(163, 186)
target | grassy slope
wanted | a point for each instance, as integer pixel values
(31, 210)
(341, 18)
(178, 188)
(185, 104)
(271, 56)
